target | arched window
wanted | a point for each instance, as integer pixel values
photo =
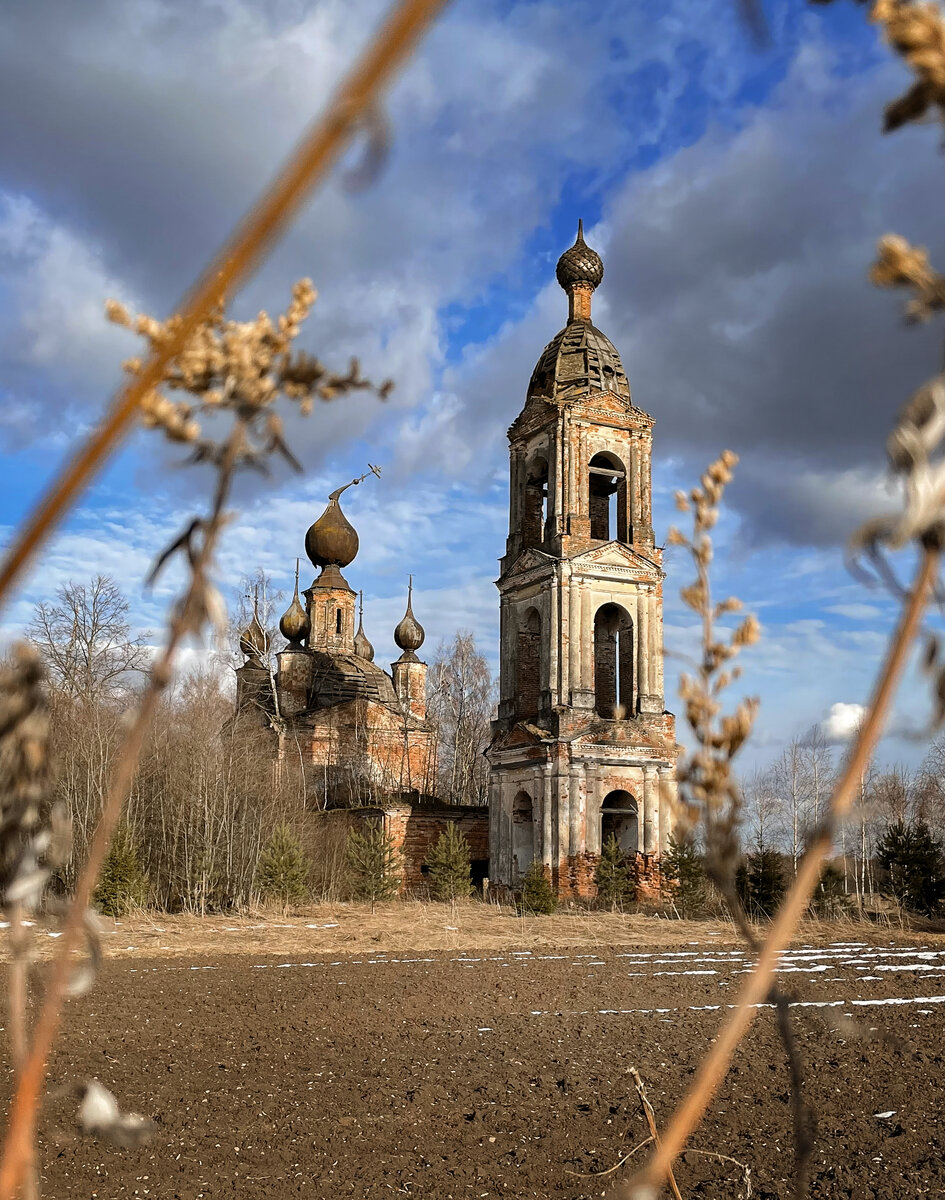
(613, 663)
(618, 816)
(607, 502)
(338, 620)
(528, 689)
(523, 834)
(535, 507)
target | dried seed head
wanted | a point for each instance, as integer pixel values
(99, 1116)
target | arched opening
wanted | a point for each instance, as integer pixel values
(337, 620)
(613, 663)
(607, 502)
(523, 834)
(528, 683)
(618, 818)
(535, 507)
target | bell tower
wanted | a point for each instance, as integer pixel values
(582, 747)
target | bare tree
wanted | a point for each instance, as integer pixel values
(461, 702)
(820, 772)
(85, 641)
(788, 778)
(764, 809)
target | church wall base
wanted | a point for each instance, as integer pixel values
(575, 878)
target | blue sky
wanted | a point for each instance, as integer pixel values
(735, 193)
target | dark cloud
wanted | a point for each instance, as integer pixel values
(736, 290)
(146, 129)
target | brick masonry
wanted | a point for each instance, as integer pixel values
(582, 725)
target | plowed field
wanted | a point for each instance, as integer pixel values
(503, 1074)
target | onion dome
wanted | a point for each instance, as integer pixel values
(332, 541)
(254, 641)
(295, 625)
(409, 633)
(578, 360)
(362, 647)
(580, 264)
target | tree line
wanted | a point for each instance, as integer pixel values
(208, 794)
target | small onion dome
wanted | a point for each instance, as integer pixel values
(295, 624)
(254, 641)
(362, 647)
(332, 540)
(580, 264)
(409, 633)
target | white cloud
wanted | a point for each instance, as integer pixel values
(843, 721)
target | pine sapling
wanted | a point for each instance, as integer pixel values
(450, 874)
(373, 864)
(614, 881)
(912, 856)
(122, 882)
(537, 894)
(282, 872)
(684, 873)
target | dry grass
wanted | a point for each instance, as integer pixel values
(417, 925)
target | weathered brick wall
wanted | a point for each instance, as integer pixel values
(415, 829)
(528, 680)
(424, 827)
(364, 741)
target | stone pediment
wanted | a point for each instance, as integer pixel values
(521, 734)
(617, 555)
(614, 736)
(529, 560)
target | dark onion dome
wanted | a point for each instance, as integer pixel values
(254, 641)
(295, 624)
(409, 633)
(362, 647)
(580, 264)
(579, 359)
(332, 541)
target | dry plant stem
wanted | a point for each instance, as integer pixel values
(651, 1123)
(352, 104)
(18, 1144)
(18, 985)
(715, 1065)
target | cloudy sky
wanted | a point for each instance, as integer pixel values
(734, 192)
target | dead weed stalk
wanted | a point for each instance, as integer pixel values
(352, 108)
(239, 368)
(915, 447)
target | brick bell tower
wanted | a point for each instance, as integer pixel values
(582, 746)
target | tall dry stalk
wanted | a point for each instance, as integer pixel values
(351, 109)
(917, 33)
(176, 348)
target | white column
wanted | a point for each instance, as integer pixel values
(547, 804)
(574, 637)
(553, 638)
(592, 809)
(667, 779)
(494, 870)
(535, 789)
(564, 807)
(587, 640)
(578, 801)
(651, 830)
(656, 636)
(643, 648)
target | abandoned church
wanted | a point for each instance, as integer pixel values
(582, 746)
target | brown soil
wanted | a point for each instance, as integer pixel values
(491, 1075)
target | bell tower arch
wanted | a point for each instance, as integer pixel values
(581, 710)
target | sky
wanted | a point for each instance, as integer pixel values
(735, 192)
